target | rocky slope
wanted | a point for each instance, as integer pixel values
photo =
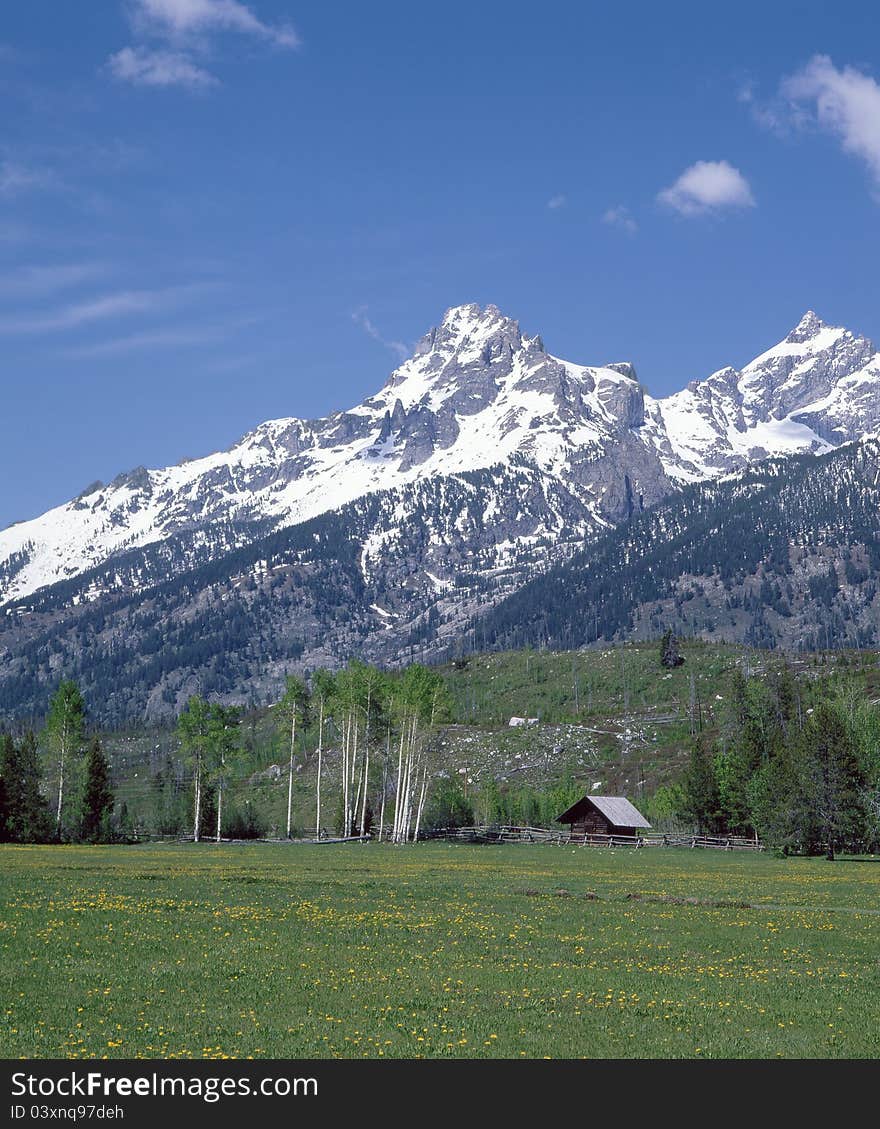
(390, 528)
(785, 553)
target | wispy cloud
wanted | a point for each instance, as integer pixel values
(557, 202)
(842, 101)
(144, 67)
(769, 114)
(118, 304)
(620, 217)
(38, 281)
(184, 19)
(172, 35)
(190, 336)
(359, 317)
(177, 338)
(16, 178)
(708, 187)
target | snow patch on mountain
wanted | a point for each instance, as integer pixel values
(477, 393)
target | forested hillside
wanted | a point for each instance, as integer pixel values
(783, 555)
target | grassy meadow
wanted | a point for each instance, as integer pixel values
(436, 950)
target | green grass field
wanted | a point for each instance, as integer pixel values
(435, 950)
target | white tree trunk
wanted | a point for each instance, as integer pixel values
(318, 785)
(384, 785)
(353, 766)
(403, 833)
(421, 806)
(357, 796)
(290, 771)
(345, 738)
(366, 782)
(219, 808)
(60, 785)
(198, 804)
(398, 792)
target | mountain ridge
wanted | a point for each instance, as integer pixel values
(420, 524)
(476, 390)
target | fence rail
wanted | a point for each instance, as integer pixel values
(493, 833)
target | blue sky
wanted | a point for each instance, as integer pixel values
(215, 212)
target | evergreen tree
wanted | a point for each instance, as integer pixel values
(98, 799)
(733, 772)
(26, 811)
(701, 799)
(449, 808)
(669, 655)
(778, 800)
(7, 770)
(836, 781)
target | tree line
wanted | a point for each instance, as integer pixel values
(796, 762)
(376, 725)
(83, 810)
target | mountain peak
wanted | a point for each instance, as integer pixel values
(809, 325)
(465, 321)
(467, 327)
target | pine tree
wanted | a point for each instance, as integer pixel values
(26, 813)
(98, 799)
(778, 800)
(7, 783)
(669, 656)
(701, 799)
(836, 781)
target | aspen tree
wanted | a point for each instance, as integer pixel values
(223, 743)
(322, 691)
(194, 733)
(65, 734)
(293, 705)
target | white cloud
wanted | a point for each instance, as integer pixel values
(183, 19)
(171, 34)
(36, 281)
(151, 339)
(556, 202)
(120, 303)
(16, 178)
(708, 186)
(622, 218)
(769, 115)
(845, 102)
(70, 317)
(359, 317)
(144, 67)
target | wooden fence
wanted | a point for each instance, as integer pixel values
(492, 833)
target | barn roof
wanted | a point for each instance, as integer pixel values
(619, 811)
(616, 809)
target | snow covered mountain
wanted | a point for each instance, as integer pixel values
(477, 393)
(816, 389)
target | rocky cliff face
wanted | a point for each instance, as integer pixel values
(818, 388)
(477, 392)
(483, 461)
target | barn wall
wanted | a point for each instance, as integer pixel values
(591, 823)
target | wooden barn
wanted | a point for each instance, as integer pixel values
(603, 815)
